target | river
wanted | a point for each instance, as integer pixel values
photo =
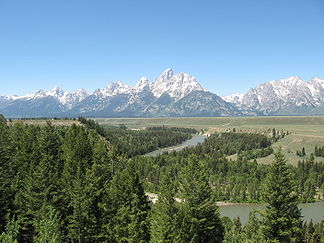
(188, 143)
(314, 211)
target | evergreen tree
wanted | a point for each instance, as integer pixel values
(6, 173)
(77, 154)
(303, 153)
(48, 226)
(99, 176)
(252, 229)
(234, 234)
(165, 222)
(12, 230)
(281, 217)
(126, 208)
(200, 214)
(23, 165)
(41, 185)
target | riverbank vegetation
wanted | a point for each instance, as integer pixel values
(138, 142)
(74, 184)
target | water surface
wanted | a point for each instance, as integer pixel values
(310, 211)
(188, 143)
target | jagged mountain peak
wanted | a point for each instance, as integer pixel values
(288, 96)
(175, 85)
(234, 98)
(290, 81)
(115, 88)
(142, 83)
(166, 75)
(171, 94)
(56, 91)
(317, 80)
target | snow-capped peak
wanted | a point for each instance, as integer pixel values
(115, 88)
(317, 81)
(142, 84)
(55, 91)
(176, 85)
(290, 81)
(234, 98)
(166, 75)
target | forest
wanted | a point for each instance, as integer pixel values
(88, 183)
(138, 142)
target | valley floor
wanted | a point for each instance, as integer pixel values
(304, 131)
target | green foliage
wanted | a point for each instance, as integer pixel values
(219, 142)
(12, 230)
(250, 233)
(252, 229)
(313, 233)
(132, 142)
(200, 214)
(77, 153)
(69, 184)
(126, 208)
(48, 226)
(310, 176)
(6, 172)
(234, 232)
(165, 215)
(281, 217)
(319, 151)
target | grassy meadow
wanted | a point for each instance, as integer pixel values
(305, 131)
(55, 122)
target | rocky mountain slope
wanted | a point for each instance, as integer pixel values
(291, 96)
(169, 95)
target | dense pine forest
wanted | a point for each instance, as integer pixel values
(88, 183)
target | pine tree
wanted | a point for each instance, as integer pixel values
(303, 153)
(24, 163)
(48, 226)
(12, 230)
(281, 217)
(234, 234)
(165, 218)
(6, 173)
(77, 154)
(99, 176)
(126, 208)
(41, 184)
(252, 229)
(40, 187)
(200, 214)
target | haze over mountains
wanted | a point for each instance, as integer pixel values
(170, 95)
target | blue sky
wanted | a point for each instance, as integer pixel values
(229, 46)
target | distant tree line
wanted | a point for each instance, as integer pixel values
(319, 151)
(237, 180)
(138, 142)
(232, 142)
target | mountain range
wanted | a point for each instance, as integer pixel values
(290, 96)
(170, 95)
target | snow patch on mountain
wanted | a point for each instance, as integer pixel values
(234, 98)
(287, 94)
(177, 86)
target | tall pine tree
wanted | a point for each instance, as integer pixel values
(6, 193)
(77, 154)
(281, 217)
(126, 208)
(165, 215)
(200, 214)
